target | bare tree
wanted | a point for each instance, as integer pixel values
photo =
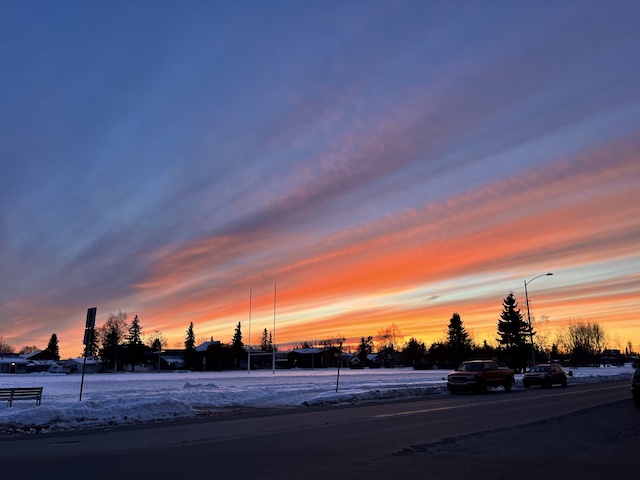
(389, 337)
(112, 334)
(584, 341)
(156, 341)
(28, 349)
(332, 341)
(5, 347)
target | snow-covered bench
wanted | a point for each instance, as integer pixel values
(21, 393)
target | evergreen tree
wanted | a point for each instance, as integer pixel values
(513, 332)
(458, 340)
(190, 338)
(190, 353)
(52, 350)
(93, 348)
(135, 347)
(135, 332)
(266, 344)
(414, 352)
(237, 346)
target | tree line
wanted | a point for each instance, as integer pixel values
(119, 342)
(52, 352)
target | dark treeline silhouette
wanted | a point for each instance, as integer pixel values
(120, 346)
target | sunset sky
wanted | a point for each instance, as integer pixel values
(379, 161)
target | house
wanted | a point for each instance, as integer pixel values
(12, 363)
(76, 365)
(314, 357)
(203, 347)
(38, 361)
(373, 360)
(172, 362)
(38, 355)
(58, 368)
(612, 357)
(37, 366)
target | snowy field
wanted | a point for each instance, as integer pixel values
(125, 398)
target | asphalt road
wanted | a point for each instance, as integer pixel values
(587, 431)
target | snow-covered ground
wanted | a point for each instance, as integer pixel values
(123, 398)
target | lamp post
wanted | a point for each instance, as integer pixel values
(533, 348)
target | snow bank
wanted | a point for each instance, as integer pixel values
(125, 398)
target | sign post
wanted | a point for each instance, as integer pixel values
(339, 355)
(88, 340)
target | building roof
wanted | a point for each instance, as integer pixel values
(8, 359)
(307, 351)
(204, 346)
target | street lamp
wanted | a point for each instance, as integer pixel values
(533, 348)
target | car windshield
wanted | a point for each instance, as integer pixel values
(539, 368)
(470, 367)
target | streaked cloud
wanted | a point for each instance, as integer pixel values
(394, 163)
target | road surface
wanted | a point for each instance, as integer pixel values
(585, 431)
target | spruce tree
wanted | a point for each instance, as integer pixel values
(266, 343)
(458, 341)
(237, 346)
(52, 348)
(513, 331)
(135, 332)
(190, 353)
(135, 347)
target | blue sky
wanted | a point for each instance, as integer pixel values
(164, 158)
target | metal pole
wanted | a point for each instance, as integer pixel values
(249, 341)
(533, 348)
(526, 295)
(339, 362)
(273, 339)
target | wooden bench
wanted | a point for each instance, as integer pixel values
(21, 393)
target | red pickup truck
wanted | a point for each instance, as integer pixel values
(478, 375)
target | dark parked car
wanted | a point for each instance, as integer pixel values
(635, 387)
(545, 375)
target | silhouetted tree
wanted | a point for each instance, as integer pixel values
(28, 349)
(53, 353)
(92, 349)
(365, 348)
(190, 354)
(414, 353)
(157, 343)
(513, 332)
(458, 341)
(5, 347)
(439, 355)
(237, 346)
(388, 344)
(135, 347)
(584, 341)
(112, 334)
(266, 343)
